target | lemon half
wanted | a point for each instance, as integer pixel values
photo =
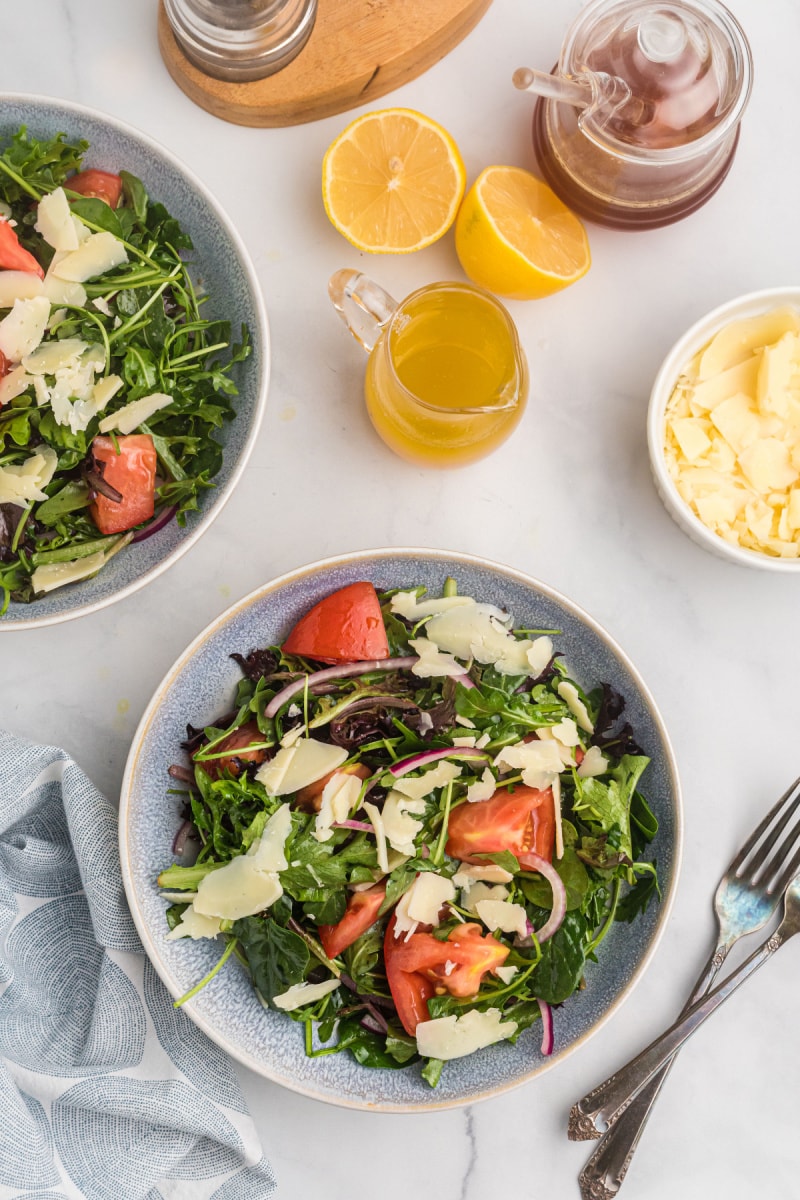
(516, 238)
(392, 181)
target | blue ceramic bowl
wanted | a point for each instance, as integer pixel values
(223, 266)
(200, 686)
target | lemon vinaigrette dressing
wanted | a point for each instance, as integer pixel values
(447, 380)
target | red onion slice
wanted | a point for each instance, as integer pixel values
(158, 522)
(547, 1027)
(532, 862)
(428, 756)
(363, 826)
(339, 672)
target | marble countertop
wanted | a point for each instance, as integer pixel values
(569, 500)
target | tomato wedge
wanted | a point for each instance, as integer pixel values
(422, 966)
(132, 472)
(14, 257)
(360, 914)
(101, 185)
(522, 820)
(346, 626)
(235, 745)
(410, 990)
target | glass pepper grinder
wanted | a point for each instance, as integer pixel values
(241, 40)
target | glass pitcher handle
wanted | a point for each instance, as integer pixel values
(364, 307)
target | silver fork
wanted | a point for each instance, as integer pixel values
(747, 896)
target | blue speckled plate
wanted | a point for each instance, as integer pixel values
(200, 686)
(224, 270)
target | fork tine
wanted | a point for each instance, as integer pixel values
(788, 875)
(776, 862)
(793, 793)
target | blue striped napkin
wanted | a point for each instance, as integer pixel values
(106, 1091)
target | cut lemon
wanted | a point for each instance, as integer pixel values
(392, 181)
(516, 238)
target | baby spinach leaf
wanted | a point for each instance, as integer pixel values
(560, 968)
(573, 875)
(277, 957)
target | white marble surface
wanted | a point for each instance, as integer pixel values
(568, 500)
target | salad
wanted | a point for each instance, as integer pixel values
(413, 828)
(112, 385)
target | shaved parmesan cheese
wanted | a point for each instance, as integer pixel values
(103, 391)
(295, 767)
(732, 433)
(406, 604)
(339, 797)
(539, 655)
(432, 663)
(19, 285)
(293, 735)
(100, 252)
(62, 291)
(417, 786)
(133, 414)
(571, 697)
(469, 873)
(427, 895)
(376, 819)
(503, 915)
(477, 631)
(194, 925)
(483, 789)
(740, 339)
(239, 889)
(539, 761)
(54, 221)
(23, 328)
(556, 786)
(421, 904)
(267, 852)
(566, 732)
(14, 384)
(24, 483)
(506, 973)
(55, 575)
(304, 993)
(455, 1037)
(399, 825)
(477, 892)
(594, 763)
(53, 356)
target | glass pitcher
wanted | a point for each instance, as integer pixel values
(446, 380)
(638, 123)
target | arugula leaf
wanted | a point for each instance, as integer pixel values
(608, 805)
(432, 1071)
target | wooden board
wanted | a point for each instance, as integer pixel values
(358, 50)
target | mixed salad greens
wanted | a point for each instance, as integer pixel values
(415, 847)
(112, 385)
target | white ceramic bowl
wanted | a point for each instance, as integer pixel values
(751, 305)
(221, 262)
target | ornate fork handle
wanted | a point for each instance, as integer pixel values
(605, 1104)
(604, 1172)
